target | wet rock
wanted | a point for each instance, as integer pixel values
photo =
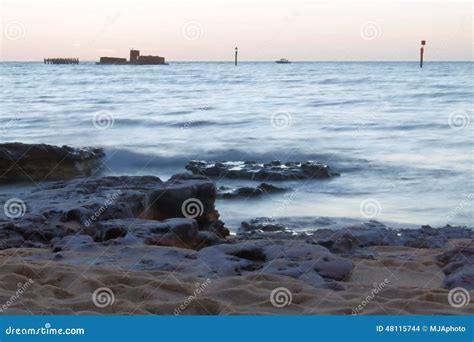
(263, 227)
(246, 192)
(274, 171)
(184, 195)
(428, 237)
(311, 263)
(67, 207)
(462, 278)
(38, 162)
(176, 232)
(78, 243)
(458, 267)
(348, 240)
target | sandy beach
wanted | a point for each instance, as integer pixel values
(414, 287)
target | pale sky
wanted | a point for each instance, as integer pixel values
(208, 30)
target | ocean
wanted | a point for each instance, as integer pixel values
(400, 136)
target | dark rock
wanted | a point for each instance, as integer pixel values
(176, 232)
(81, 205)
(262, 225)
(274, 171)
(349, 239)
(458, 266)
(39, 162)
(262, 189)
(169, 200)
(298, 259)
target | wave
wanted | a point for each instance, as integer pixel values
(123, 158)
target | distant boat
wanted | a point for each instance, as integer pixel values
(283, 61)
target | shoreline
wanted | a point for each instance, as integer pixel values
(149, 244)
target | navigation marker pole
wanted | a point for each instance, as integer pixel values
(423, 43)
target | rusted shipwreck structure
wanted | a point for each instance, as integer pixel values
(135, 58)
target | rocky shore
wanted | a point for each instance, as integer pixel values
(150, 241)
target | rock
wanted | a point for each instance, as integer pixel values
(347, 240)
(38, 162)
(428, 237)
(463, 278)
(274, 171)
(294, 258)
(169, 200)
(261, 225)
(83, 205)
(246, 192)
(176, 232)
(458, 267)
(78, 243)
(298, 259)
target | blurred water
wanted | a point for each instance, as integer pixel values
(400, 136)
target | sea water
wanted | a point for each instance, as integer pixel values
(400, 136)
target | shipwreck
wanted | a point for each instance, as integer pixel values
(135, 58)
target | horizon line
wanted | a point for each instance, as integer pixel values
(258, 61)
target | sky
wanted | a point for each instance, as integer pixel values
(209, 30)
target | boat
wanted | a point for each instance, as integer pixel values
(283, 61)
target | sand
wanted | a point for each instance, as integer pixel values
(411, 284)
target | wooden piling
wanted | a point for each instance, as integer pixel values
(236, 52)
(61, 60)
